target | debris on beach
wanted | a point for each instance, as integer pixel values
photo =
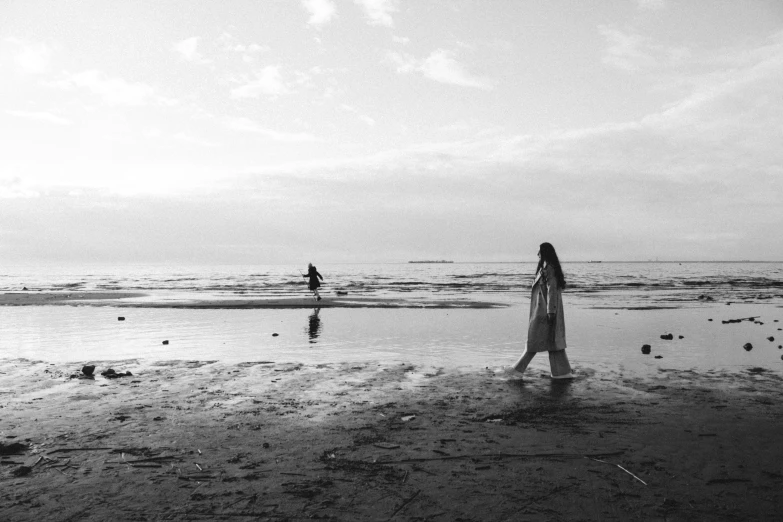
(659, 356)
(729, 321)
(646, 349)
(112, 374)
(770, 338)
(386, 445)
(275, 334)
(748, 347)
(88, 369)
(705, 298)
(120, 318)
(15, 448)
(681, 336)
(667, 337)
(166, 342)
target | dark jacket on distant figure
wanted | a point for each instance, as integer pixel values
(313, 274)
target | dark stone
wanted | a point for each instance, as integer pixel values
(14, 448)
(165, 342)
(25, 288)
(342, 292)
(681, 336)
(667, 337)
(659, 356)
(266, 444)
(22, 471)
(770, 338)
(709, 319)
(88, 370)
(275, 334)
(646, 348)
(111, 374)
(748, 347)
(120, 318)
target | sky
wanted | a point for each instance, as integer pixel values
(288, 131)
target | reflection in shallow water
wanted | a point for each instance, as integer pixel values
(314, 326)
(441, 338)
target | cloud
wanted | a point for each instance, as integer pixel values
(187, 138)
(114, 91)
(248, 125)
(378, 12)
(405, 63)
(625, 51)
(652, 5)
(440, 66)
(40, 116)
(32, 58)
(14, 188)
(633, 52)
(362, 117)
(268, 82)
(188, 50)
(459, 126)
(249, 52)
(183, 137)
(321, 11)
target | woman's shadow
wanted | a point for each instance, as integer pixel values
(314, 326)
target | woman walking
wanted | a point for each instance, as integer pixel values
(546, 327)
(313, 274)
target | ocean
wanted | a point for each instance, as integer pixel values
(611, 310)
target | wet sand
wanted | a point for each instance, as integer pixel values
(200, 440)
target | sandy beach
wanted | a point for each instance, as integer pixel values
(202, 440)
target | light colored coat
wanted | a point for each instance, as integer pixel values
(546, 298)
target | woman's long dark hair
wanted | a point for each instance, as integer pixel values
(549, 256)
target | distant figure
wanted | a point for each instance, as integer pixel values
(313, 274)
(546, 326)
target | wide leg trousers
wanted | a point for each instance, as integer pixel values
(558, 363)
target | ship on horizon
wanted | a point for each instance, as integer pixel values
(431, 261)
